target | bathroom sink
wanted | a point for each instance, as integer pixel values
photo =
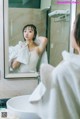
(23, 109)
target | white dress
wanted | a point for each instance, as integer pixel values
(32, 63)
(59, 89)
(21, 53)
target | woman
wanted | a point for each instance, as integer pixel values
(59, 90)
(28, 52)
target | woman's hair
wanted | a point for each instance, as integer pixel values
(33, 27)
(77, 30)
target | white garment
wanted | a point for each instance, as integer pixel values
(44, 58)
(28, 59)
(62, 89)
(20, 51)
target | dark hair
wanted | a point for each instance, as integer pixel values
(33, 27)
(77, 29)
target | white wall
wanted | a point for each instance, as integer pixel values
(45, 4)
(12, 87)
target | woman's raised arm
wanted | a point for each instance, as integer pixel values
(43, 43)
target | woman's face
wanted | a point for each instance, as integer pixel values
(28, 33)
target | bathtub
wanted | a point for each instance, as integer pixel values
(23, 109)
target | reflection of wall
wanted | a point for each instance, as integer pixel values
(45, 4)
(78, 8)
(55, 6)
(59, 34)
(19, 17)
(59, 40)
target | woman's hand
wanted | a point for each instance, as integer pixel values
(15, 64)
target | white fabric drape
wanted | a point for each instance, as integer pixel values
(21, 53)
(59, 89)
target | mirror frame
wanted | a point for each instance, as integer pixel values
(8, 75)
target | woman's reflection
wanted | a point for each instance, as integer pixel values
(25, 55)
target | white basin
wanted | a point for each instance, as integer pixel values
(23, 109)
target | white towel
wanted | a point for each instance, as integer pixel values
(20, 52)
(23, 55)
(44, 58)
(38, 93)
(45, 75)
(58, 13)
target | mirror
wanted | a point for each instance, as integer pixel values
(55, 23)
(17, 14)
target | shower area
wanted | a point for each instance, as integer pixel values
(59, 31)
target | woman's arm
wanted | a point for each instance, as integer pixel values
(43, 43)
(15, 64)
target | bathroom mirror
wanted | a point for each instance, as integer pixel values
(17, 14)
(55, 23)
